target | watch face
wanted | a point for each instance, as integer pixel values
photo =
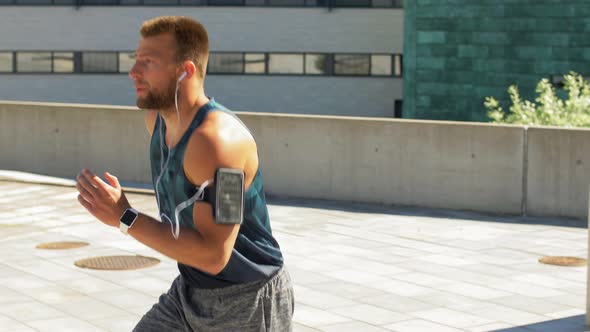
(128, 217)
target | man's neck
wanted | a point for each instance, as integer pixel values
(187, 109)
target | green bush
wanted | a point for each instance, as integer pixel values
(548, 109)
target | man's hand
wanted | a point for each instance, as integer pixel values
(106, 202)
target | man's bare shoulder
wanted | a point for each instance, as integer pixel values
(220, 141)
(225, 129)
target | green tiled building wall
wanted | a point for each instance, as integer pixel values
(457, 52)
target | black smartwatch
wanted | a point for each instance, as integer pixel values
(127, 220)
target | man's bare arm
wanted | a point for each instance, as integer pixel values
(209, 246)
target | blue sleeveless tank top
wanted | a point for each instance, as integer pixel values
(256, 254)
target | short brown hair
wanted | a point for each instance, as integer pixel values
(190, 35)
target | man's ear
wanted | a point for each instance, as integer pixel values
(190, 68)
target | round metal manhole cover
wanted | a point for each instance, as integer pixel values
(117, 262)
(61, 245)
(563, 260)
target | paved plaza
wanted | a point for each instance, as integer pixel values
(355, 267)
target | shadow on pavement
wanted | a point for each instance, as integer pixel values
(567, 324)
(424, 212)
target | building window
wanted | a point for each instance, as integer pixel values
(6, 62)
(63, 62)
(398, 65)
(286, 3)
(126, 61)
(351, 3)
(265, 3)
(255, 63)
(226, 63)
(387, 3)
(285, 63)
(351, 64)
(158, 2)
(33, 62)
(33, 2)
(316, 3)
(381, 65)
(193, 2)
(312, 64)
(315, 64)
(99, 62)
(100, 2)
(226, 2)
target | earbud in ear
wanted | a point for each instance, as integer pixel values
(182, 76)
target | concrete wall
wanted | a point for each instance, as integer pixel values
(232, 29)
(61, 139)
(446, 165)
(558, 171)
(268, 94)
(420, 163)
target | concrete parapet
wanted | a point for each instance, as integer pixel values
(452, 165)
(558, 171)
(419, 163)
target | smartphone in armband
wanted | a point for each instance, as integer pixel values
(229, 196)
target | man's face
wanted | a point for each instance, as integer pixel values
(154, 72)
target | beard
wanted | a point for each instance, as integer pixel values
(159, 100)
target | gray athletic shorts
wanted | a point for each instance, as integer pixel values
(265, 305)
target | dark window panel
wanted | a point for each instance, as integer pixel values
(287, 3)
(381, 65)
(33, 2)
(254, 2)
(351, 3)
(351, 64)
(6, 62)
(193, 2)
(33, 62)
(161, 2)
(99, 2)
(316, 3)
(126, 61)
(226, 2)
(382, 3)
(285, 63)
(226, 63)
(398, 65)
(63, 62)
(255, 63)
(99, 62)
(315, 64)
(388, 3)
